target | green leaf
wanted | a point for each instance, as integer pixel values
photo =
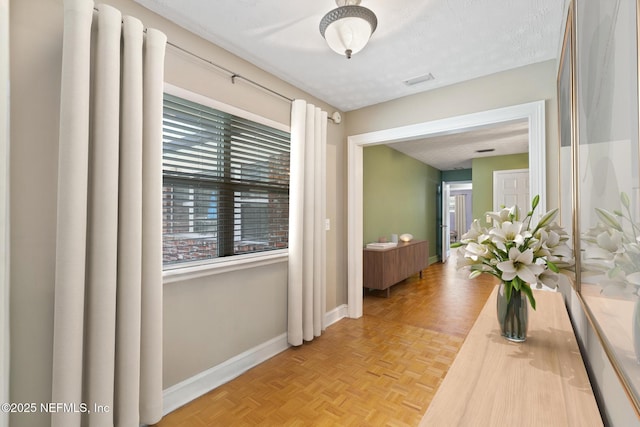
(456, 245)
(608, 219)
(547, 218)
(553, 267)
(486, 241)
(534, 202)
(624, 198)
(527, 290)
(507, 290)
(475, 273)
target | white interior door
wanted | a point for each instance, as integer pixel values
(445, 226)
(511, 187)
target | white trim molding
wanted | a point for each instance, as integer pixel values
(336, 315)
(185, 391)
(202, 383)
(533, 112)
(221, 106)
(223, 265)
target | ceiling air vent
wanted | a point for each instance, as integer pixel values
(419, 79)
(486, 150)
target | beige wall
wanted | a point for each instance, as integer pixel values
(518, 86)
(35, 75)
(206, 320)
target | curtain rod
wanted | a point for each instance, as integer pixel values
(231, 73)
(335, 117)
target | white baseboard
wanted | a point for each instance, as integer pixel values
(336, 315)
(185, 391)
(202, 383)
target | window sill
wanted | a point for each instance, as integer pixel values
(220, 266)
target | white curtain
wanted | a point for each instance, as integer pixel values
(461, 215)
(107, 346)
(307, 211)
(4, 209)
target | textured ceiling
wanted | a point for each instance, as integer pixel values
(455, 151)
(454, 40)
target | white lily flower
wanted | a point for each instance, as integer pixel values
(474, 232)
(634, 278)
(477, 251)
(462, 260)
(562, 251)
(610, 241)
(551, 244)
(548, 278)
(501, 216)
(520, 264)
(563, 263)
(510, 250)
(508, 232)
(552, 239)
(594, 252)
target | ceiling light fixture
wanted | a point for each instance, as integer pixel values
(347, 28)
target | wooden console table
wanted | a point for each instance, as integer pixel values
(541, 382)
(383, 268)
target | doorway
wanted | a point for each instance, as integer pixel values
(533, 112)
(457, 214)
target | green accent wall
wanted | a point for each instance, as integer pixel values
(399, 196)
(457, 175)
(483, 178)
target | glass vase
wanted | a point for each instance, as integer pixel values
(513, 315)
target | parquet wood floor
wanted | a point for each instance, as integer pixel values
(380, 370)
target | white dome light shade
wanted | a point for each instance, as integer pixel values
(347, 29)
(348, 34)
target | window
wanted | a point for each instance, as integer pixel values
(225, 184)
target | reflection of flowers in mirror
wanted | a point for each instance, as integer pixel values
(611, 259)
(611, 256)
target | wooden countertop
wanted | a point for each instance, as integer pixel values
(494, 382)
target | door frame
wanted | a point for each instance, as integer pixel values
(445, 223)
(455, 186)
(533, 112)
